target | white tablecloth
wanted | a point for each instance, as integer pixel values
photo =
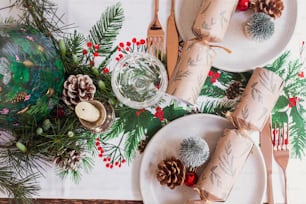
(123, 183)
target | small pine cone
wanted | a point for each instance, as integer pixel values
(171, 172)
(273, 8)
(78, 88)
(233, 90)
(69, 159)
(19, 97)
(142, 145)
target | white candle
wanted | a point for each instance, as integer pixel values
(87, 111)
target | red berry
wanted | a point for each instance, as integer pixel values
(243, 5)
(96, 47)
(128, 43)
(134, 40)
(96, 54)
(100, 155)
(97, 143)
(84, 52)
(121, 44)
(89, 44)
(191, 179)
(105, 70)
(142, 41)
(60, 113)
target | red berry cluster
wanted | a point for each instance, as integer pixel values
(91, 52)
(130, 46)
(109, 159)
(159, 113)
(292, 102)
(213, 76)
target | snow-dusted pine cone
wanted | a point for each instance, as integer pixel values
(78, 88)
(233, 90)
(273, 8)
(69, 159)
(171, 172)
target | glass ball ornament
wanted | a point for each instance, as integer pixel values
(31, 74)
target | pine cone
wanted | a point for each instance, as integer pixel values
(171, 172)
(19, 97)
(142, 145)
(78, 88)
(272, 8)
(233, 90)
(69, 159)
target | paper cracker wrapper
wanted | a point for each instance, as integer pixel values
(213, 18)
(219, 176)
(191, 71)
(258, 100)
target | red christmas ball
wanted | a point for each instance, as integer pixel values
(191, 178)
(243, 5)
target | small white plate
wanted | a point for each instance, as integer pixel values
(249, 188)
(246, 54)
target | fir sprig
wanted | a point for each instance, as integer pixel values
(105, 31)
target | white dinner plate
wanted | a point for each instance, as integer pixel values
(249, 187)
(246, 54)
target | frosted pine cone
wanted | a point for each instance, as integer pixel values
(171, 172)
(78, 88)
(69, 159)
(273, 8)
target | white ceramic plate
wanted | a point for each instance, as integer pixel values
(250, 185)
(246, 54)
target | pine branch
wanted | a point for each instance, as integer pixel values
(105, 31)
(22, 189)
(132, 142)
(115, 130)
(217, 106)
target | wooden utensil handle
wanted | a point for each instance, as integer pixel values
(270, 188)
(172, 6)
(156, 6)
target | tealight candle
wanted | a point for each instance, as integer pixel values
(87, 111)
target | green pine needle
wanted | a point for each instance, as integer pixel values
(105, 31)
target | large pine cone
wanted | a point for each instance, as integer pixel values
(78, 88)
(272, 8)
(171, 172)
(70, 159)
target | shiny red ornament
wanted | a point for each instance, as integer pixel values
(243, 5)
(191, 178)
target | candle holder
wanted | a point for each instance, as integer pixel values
(139, 80)
(105, 119)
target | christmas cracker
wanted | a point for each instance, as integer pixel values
(213, 18)
(219, 176)
(191, 71)
(258, 100)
